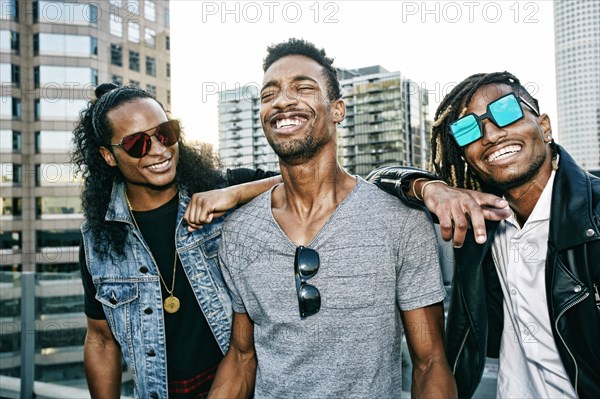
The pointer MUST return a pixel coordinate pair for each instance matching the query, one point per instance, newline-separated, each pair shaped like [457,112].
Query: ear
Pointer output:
[108,156]
[339,110]
[546,127]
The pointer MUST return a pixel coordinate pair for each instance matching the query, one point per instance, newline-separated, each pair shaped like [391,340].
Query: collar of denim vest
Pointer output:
[118,211]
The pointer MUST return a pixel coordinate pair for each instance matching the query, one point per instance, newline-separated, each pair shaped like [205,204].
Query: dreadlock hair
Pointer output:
[446,156]
[196,171]
[302,47]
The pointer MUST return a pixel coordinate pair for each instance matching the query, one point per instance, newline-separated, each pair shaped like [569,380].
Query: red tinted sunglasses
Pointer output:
[137,145]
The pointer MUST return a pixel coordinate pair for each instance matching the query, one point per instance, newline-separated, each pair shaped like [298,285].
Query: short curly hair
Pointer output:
[295,46]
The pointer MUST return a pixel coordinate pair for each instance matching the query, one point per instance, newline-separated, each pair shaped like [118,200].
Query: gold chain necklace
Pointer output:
[171,303]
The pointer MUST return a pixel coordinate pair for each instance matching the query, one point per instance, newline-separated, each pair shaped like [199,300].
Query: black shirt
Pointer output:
[192,351]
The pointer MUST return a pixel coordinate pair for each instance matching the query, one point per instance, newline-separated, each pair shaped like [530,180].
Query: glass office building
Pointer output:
[577,40]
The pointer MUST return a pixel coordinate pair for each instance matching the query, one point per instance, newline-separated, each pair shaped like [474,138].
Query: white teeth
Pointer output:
[159,165]
[286,122]
[504,152]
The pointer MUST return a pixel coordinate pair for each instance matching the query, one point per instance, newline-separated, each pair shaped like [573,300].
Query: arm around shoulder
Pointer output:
[237,372]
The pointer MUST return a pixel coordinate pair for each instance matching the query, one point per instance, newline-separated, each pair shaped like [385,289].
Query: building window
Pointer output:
[151,89]
[168,43]
[58,109]
[56,174]
[150,37]
[59,44]
[168,96]
[10,240]
[116,25]
[116,79]
[134,83]
[168,69]
[57,238]
[167,17]
[133,6]
[133,32]
[11,206]
[53,142]
[54,75]
[150,66]
[64,13]
[134,60]
[15,75]
[93,45]
[150,10]
[11,174]
[116,54]
[57,207]
[9,41]
[9,10]
[10,141]
[16,108]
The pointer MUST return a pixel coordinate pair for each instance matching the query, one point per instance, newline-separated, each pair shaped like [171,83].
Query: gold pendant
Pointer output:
[171,304]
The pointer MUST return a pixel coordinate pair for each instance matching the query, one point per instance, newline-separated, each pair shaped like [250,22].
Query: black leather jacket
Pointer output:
[475,315]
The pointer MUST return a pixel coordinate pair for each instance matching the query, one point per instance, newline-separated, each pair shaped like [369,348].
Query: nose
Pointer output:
[285,98]
[491,133]
[156,147]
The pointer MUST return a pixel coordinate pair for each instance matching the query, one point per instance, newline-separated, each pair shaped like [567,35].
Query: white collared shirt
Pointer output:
[530,366]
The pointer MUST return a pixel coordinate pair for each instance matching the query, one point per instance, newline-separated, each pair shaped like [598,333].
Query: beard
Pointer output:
[297,150]
[515,179]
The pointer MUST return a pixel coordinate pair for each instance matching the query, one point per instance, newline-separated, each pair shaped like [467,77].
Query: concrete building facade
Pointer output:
[52,55]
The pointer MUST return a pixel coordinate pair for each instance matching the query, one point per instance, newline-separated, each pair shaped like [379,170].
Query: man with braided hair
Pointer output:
[153,291]
[530,293]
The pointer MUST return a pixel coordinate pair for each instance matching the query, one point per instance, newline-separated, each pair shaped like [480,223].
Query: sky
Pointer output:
[217,45]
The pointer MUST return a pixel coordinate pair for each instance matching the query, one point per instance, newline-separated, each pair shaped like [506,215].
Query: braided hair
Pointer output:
[446,156]
[94,131]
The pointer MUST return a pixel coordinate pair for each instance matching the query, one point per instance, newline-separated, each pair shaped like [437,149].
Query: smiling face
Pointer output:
[297,118]
[511,156]
[158,167]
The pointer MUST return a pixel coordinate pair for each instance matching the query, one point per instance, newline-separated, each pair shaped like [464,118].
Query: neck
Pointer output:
[144,198]
[320,182]
[522,199]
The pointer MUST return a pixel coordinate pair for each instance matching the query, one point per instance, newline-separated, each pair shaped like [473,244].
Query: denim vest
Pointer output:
[129,290]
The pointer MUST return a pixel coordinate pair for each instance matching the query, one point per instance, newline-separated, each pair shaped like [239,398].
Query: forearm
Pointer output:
[235,377]
[102,364]
[433,379]
[246,192]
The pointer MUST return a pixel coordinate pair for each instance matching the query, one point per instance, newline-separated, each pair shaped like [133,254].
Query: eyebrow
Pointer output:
[298,78]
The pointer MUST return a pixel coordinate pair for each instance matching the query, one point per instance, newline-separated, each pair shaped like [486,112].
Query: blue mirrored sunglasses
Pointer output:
[501,112]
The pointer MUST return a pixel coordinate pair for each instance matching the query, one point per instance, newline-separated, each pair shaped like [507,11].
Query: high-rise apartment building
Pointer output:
[577,39]
[386,123]
[241,139]
[52,55]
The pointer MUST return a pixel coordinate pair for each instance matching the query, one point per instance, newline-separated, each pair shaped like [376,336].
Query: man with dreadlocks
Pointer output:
[153,291]
[530,294]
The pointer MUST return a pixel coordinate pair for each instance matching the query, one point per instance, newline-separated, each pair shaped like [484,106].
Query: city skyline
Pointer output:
[437,44]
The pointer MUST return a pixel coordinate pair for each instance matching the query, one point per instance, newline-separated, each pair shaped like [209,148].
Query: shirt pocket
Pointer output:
[117,299]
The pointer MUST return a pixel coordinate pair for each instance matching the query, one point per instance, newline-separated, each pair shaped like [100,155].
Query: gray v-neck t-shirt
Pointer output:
[377,257]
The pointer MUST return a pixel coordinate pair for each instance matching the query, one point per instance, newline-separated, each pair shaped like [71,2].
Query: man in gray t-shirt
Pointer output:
[325,269]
